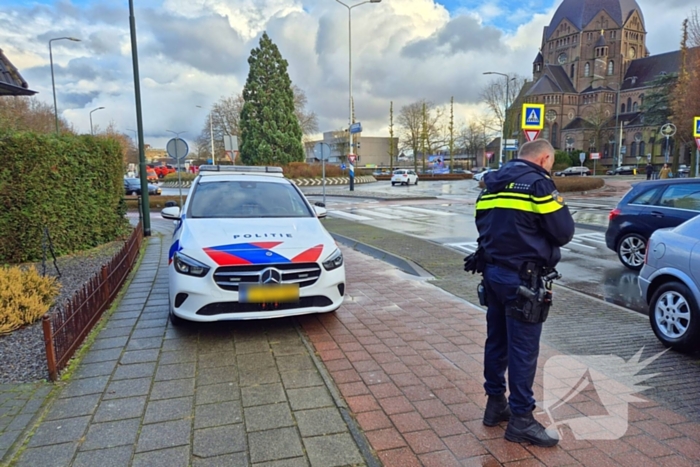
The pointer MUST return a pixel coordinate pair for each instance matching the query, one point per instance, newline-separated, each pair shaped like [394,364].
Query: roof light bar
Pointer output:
[240,168]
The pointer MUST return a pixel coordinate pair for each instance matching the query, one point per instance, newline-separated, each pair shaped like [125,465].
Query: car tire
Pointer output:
[675,317]
[416,182]
[393,184]
[631,249]
[174,319]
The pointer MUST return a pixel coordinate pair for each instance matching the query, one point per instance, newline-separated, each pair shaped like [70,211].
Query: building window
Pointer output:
[642,148]
[641,100]
[629,104]
[611,67]
[587,69]
[633,149]
[555,130]
[635,107]
[573,70]
[622,109]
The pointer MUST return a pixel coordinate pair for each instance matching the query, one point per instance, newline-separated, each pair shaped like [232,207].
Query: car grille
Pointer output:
[230,277]
[214,309]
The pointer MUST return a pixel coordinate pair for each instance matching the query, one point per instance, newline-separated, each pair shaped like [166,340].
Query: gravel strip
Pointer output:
[22,352]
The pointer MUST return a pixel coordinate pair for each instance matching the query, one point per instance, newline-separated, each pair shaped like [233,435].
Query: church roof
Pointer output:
[539,58]
[581,12]
[650,68]
[601,41]
[553,80]
[11,82]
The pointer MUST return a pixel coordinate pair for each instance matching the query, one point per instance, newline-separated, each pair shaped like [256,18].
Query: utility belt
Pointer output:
[534,293]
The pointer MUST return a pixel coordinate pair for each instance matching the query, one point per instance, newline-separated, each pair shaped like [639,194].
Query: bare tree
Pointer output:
[413,135]
[474,136]
[694,28]
[307,119]
[496,94]
[20,113]
[597,130]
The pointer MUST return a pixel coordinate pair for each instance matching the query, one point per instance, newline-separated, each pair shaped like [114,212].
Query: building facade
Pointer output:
[592,73]
[371,151]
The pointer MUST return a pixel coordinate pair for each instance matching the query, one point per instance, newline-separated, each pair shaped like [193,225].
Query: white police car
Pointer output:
[248,245]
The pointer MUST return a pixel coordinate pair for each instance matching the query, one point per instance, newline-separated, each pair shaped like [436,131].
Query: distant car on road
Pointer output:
[574,171]
[404,177]
[623,170]
[132,186]
[647,207]
[480,176]
[670,284]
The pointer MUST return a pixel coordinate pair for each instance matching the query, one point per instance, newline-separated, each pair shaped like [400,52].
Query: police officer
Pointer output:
[522,222]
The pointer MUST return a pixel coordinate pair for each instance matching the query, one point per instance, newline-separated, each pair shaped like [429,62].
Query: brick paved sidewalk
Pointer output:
[19,406]
[231,394]
[407,357]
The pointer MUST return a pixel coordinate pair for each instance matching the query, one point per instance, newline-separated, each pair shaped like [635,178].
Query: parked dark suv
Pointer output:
[623,170]
[649,206]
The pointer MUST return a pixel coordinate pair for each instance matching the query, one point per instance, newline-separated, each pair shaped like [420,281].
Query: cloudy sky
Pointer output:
[192,52]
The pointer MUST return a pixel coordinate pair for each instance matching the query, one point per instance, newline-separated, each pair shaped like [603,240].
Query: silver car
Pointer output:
[670,284]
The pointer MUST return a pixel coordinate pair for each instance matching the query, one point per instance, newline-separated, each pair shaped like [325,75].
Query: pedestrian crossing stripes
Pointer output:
[578,242]
[387,213]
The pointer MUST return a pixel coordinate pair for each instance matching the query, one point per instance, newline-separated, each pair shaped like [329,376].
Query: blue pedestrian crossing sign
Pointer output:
[533,117]
[696,127]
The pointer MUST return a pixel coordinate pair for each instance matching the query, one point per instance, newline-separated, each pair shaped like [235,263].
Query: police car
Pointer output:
[248,245]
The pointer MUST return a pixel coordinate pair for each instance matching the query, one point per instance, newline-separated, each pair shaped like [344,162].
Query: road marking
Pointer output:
[578,243]
[587,205]
[595,237]
[426,211]
[467,247]
[373,212]
[347,215]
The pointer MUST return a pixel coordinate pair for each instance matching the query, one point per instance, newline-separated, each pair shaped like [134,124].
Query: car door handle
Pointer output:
[657,213]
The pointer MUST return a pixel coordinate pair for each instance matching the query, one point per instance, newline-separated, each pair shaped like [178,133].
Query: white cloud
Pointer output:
[193,52]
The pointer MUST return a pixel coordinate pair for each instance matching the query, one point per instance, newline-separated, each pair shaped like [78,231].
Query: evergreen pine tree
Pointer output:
[269,129]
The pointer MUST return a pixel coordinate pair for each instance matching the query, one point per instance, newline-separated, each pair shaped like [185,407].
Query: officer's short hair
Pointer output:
[532,149]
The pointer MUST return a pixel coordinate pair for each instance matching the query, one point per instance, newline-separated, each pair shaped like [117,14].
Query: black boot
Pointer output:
[497,410]
[525,429]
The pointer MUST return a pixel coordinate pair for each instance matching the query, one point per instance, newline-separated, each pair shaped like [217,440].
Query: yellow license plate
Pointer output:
[269,293]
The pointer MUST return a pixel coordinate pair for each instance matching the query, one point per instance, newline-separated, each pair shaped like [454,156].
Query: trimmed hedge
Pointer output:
[70,184]
[572,184]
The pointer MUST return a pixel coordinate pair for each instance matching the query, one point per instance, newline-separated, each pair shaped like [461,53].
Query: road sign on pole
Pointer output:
[696,127]
[697,141]
[356,128]
[323,151]
[531,135]
[532,117]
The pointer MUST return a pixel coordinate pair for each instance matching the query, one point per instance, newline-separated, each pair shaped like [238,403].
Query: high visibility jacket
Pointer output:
[521,217]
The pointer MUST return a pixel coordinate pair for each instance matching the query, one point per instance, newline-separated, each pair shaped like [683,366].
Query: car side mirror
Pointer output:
[172,213]
[320,211]
[320,204]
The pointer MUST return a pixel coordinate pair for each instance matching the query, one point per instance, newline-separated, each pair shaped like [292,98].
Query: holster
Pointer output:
[481,292]
[534,295]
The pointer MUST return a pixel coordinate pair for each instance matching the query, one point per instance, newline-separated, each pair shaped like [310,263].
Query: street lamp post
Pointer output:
[93,110]
[53,83]
[617,119]
[350,164]
[505,113]
[211,132]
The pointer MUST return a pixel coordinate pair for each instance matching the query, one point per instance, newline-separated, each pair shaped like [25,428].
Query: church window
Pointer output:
[555,130]
[622,109]
[635,107]
[587,69]
[611,67]
[641,100]
[633,149]
[642,148]
[629,104]
[573,70]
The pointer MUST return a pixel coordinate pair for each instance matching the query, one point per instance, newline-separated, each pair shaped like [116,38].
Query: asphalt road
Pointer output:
[587,265]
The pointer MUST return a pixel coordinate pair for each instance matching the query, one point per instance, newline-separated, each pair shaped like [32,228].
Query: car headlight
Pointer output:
[189,266]
[334,261]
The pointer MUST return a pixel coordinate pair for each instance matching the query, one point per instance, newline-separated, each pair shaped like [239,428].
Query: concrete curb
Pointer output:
[403,264]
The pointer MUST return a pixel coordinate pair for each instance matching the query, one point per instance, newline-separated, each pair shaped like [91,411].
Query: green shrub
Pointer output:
[70,184]
[185,177]
[25,296]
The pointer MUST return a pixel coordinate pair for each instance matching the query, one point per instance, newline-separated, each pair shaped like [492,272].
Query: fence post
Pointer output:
[105,286]
[50,352]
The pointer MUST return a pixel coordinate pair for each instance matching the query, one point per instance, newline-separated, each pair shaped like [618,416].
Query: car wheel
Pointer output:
[675,317]
[416,182]
[631,249]
[393,184]
[174,319]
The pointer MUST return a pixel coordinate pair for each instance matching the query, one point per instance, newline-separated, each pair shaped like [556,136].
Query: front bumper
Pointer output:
[207,302]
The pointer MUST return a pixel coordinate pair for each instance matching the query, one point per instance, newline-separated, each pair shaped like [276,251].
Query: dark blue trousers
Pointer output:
[510,344]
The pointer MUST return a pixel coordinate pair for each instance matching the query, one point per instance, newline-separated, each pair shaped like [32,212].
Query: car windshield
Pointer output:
[241,198]
[133,181]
